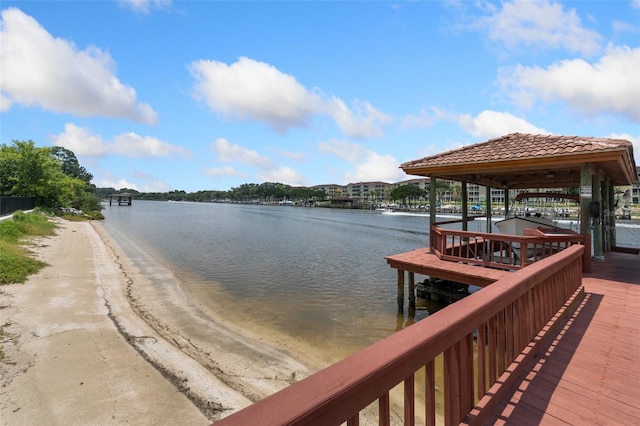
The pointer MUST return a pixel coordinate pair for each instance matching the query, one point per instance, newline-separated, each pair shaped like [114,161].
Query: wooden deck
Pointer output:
[424,262]
[589,373]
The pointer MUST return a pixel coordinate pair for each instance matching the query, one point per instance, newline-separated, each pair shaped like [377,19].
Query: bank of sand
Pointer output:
[92,339]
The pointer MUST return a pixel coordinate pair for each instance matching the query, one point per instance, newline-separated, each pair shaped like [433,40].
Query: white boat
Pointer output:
[515,224]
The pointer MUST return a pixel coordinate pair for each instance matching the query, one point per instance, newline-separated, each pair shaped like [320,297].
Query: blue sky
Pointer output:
[194,95]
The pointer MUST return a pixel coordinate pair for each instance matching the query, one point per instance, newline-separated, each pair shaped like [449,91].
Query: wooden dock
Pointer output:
[424,262]
[589,373]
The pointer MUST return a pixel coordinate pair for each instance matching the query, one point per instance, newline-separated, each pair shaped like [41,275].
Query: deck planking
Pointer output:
[588,373]
[424,262]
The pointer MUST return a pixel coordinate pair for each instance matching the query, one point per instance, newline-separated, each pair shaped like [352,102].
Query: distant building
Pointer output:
[331,190]
[380,191]
[421,183]
[368,191]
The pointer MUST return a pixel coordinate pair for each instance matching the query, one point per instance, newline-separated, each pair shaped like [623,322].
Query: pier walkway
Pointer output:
[579,369]
[588,374]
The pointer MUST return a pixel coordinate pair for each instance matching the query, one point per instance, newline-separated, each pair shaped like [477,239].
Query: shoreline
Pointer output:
[93,339]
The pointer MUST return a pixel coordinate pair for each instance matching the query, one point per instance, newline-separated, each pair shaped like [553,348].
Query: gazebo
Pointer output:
[524,161]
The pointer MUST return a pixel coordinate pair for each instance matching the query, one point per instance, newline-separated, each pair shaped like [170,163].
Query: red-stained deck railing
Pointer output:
[504,251]
[484,339]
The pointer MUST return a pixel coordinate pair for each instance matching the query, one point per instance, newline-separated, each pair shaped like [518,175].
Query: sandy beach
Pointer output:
[91,339]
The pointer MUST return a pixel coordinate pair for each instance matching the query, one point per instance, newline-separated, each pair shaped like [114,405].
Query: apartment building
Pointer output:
[380,191]
[332,191]
[372,191]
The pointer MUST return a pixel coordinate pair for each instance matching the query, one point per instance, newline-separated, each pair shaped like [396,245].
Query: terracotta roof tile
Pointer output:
[520,146]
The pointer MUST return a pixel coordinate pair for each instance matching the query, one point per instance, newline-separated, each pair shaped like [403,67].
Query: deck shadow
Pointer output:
[529,399]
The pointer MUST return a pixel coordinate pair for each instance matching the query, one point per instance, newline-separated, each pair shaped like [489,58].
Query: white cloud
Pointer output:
[155,186]
[621,26]
[541,23]
[5,102]
[635,4]
[223,171]
[40,70]
[491,124]
[145,6]
[267,171]
[366,165]
[253,90]
[82,142]
[347,151]
[109,181]
[425,118]
[611,85]
[146,182]
[376,167]
[297,157]
[364,123]
[133,145]
[285,175]
[229,153]
[150,183]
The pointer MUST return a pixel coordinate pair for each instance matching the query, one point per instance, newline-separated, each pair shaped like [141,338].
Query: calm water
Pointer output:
[318,275]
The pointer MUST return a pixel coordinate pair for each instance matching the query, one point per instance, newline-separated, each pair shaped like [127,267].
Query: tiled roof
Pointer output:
[530,161]
[517,146]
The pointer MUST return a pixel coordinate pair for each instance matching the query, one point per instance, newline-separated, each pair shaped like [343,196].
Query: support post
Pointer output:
[432,206]
[506,202]
[612,216]
[465,206]
[400,296]
[606,212]
[585,199]
[597,228]
[433,195]
[488,195]
[412,291]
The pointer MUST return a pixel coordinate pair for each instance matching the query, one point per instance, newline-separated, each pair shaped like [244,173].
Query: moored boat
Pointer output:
[515,222]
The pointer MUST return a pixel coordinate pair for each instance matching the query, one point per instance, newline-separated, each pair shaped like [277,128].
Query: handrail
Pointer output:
[449,222]
[504,318]
[504,251]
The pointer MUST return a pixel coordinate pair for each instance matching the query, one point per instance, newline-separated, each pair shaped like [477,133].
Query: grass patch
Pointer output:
[16,263]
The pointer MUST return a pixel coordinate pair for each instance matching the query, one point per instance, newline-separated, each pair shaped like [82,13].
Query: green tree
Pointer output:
[34,172]
[26,170]
[405,192]
[70,164]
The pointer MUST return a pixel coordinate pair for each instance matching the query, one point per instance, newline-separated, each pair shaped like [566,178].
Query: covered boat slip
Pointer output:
[544,344]
[592,167]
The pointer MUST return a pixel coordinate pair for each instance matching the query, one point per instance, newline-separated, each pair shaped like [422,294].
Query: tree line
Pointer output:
[247,192]
[51,175]
[55,178]
[264,192]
